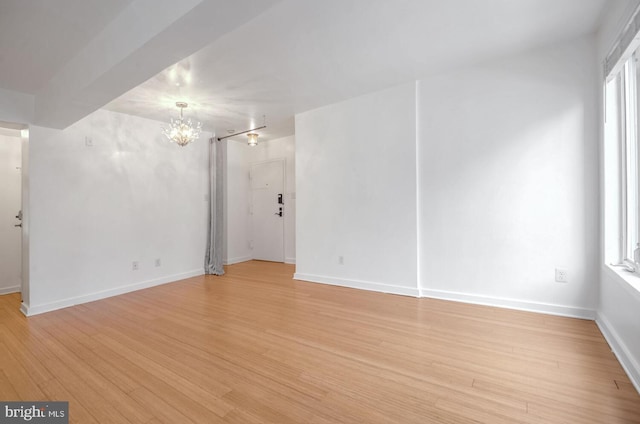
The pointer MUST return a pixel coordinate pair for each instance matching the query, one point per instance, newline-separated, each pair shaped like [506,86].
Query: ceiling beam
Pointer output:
[147,37]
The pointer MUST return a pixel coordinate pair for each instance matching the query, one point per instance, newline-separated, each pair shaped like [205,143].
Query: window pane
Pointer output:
[631,158]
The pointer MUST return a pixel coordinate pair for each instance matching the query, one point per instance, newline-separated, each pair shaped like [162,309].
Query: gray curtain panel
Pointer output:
[213,255]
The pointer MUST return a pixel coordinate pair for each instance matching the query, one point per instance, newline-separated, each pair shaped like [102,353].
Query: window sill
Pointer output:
[630,280]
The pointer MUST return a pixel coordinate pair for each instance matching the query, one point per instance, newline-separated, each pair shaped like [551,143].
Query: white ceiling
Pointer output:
[37,37]
[271,57]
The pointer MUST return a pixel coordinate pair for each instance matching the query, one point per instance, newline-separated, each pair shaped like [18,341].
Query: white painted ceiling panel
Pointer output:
[38,37]
[300,55]
[258,57]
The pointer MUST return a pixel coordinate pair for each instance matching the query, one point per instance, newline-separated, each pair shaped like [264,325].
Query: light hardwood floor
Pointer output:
[255,346]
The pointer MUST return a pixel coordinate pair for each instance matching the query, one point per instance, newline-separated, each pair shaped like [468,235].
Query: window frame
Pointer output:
[628,163]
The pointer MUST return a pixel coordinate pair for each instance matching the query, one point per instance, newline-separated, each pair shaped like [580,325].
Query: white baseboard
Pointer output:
[237,260]
[619,348]
[291,261]
[7,290]
[30,310]
[357,284]
[544,308]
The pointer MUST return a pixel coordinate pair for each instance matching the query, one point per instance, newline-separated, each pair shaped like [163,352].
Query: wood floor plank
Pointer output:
[26,352]
[7,392]
[73,356]
[579,400]
[162,411]
[56,391]
[196,401]
[256,346]
[72,375]
[18,375]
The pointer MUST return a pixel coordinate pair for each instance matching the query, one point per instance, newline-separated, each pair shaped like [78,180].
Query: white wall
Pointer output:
[356,192]
[509,181]
[10,204]
[619,320]
[240,156]
[131,196]
[507,178]
[619,302]
[237,228]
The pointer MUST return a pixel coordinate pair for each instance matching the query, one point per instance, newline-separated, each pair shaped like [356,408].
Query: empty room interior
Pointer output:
[347,211]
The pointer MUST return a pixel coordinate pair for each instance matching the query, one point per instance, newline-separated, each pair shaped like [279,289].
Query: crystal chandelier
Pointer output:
[182,132]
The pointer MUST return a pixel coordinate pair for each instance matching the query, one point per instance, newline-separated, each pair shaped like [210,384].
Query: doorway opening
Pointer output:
[259,180]
[267,210]
[12,140]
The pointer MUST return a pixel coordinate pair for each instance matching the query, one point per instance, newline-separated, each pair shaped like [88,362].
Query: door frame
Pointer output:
[25,292]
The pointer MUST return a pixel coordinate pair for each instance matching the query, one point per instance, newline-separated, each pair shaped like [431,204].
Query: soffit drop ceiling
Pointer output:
[38,37]
[235,61]
[300,55]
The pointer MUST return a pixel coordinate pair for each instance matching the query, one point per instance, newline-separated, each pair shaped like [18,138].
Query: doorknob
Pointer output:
[18,225]
[279,213]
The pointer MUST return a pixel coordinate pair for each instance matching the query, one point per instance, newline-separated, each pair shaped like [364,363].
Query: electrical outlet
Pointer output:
[158,263]
[341,260]
[562,275]
[135,265]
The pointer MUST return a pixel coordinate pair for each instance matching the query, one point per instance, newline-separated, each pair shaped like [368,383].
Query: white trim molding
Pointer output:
[237,260]
[619,348]
[29,310]
[9,290]
[629,281]
[291,261]
[357,284]
[543,308]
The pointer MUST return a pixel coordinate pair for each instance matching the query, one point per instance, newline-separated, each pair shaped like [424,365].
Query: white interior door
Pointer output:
[267,185]
[10,203]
